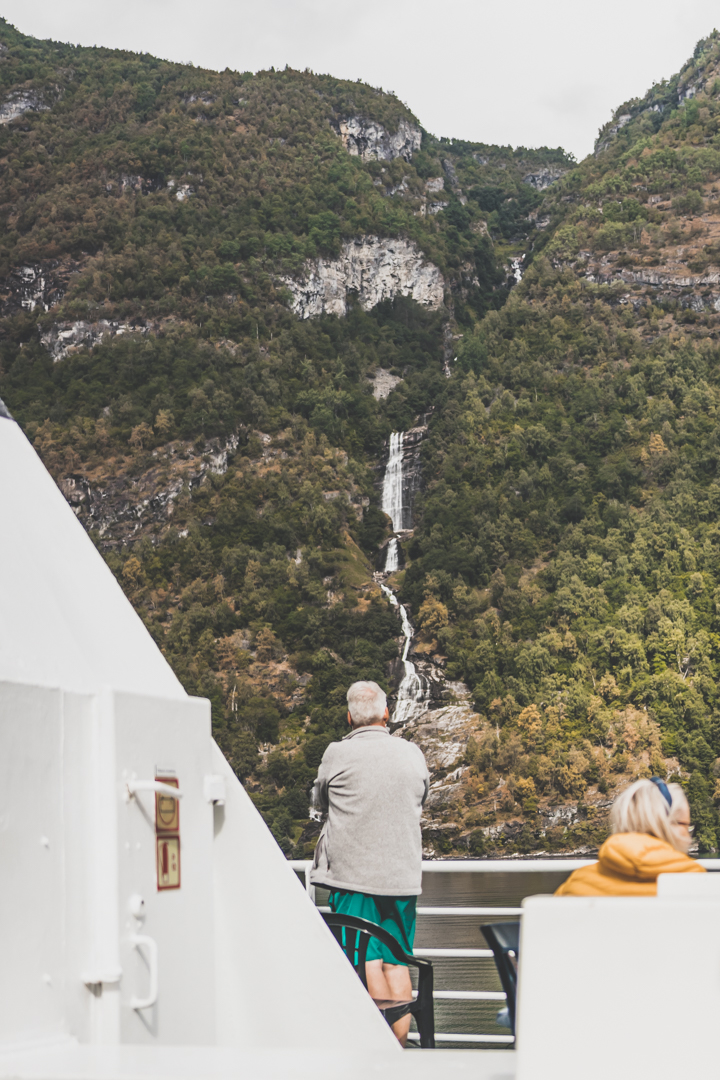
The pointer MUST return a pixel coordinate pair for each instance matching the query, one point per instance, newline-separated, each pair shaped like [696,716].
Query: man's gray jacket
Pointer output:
[373,787]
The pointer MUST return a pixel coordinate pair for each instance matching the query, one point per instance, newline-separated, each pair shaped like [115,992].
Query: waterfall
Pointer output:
[392,497]
[391,556]
[412,694]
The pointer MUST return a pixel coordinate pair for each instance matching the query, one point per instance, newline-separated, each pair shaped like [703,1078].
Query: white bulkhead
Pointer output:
[230,951]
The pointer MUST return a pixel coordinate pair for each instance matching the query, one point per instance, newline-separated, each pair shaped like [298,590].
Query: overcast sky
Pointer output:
[521,72]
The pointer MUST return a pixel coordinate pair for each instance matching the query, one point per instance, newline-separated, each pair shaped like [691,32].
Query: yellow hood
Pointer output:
[628,865]
[640,857]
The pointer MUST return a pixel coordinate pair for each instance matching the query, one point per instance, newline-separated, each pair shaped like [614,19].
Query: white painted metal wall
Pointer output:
[89,707]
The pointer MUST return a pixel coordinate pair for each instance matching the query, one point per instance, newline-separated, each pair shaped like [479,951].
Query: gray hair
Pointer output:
[642,808]
[367,703]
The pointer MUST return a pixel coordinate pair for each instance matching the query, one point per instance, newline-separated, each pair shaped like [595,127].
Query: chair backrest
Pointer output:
[504,940]
[354,943]
[353,936]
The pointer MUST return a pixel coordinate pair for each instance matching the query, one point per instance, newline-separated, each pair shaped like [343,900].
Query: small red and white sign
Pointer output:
[168,862]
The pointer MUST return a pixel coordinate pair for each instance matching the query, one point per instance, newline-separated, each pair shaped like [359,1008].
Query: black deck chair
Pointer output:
[504,940]
[353,936]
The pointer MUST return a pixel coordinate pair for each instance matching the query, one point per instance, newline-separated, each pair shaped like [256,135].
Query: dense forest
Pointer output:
[564,559]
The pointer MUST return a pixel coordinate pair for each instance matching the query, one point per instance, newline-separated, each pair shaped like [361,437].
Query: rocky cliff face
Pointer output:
[64,338]
[543,178]
[375,269]
[35,286]
[122,507]
[20,102]
[372,142]
[383,383]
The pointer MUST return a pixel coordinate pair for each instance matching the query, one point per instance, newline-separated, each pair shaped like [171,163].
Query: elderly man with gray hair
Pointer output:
[370,849]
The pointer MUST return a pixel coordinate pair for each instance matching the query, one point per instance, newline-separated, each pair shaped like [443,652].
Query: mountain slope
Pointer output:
[166,230]
[204,278]
[567,556]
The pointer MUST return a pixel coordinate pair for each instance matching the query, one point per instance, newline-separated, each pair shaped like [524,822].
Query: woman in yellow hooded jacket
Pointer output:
[651,835]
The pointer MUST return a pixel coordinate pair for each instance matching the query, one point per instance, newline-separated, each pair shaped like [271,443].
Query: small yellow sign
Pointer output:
[168,862]
[167,809]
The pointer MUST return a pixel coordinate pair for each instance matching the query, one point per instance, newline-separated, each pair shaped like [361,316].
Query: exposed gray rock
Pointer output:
[435,184]
[182,191]
[62,339]
[204,95]
[451,174]
[21,101]
[442,735]
[132,183]
[443,795]
[35,285]
[375,269]
[372,142]
[398,189]
[31,286]
[607,136]
[543,178]
[127,508]
[383,383]
[653,277]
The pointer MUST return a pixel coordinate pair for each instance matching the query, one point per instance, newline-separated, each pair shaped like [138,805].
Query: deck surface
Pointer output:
[74,1062]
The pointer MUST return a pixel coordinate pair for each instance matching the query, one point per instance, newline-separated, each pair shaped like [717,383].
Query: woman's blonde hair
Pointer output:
[643,808]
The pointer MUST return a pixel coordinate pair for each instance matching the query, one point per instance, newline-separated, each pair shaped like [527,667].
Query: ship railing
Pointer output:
[475,866]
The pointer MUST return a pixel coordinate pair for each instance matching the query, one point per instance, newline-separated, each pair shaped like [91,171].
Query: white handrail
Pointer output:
[468,995]
[154,785]
[511,865]
[477,911]
[459,954]
[446,1036]
[481,911]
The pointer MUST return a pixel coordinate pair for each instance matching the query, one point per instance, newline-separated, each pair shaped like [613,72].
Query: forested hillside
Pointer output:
[205,276]
[568,558]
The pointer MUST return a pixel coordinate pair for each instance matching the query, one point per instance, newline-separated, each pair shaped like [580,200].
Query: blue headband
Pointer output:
[663,789]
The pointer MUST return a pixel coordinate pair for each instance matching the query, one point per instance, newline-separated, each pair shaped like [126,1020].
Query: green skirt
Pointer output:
[396,914]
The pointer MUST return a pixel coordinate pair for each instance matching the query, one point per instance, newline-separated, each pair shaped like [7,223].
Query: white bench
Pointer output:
[615,988]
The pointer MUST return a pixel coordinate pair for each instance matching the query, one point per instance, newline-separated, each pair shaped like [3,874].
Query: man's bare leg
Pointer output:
[397,977]
[377,984]
[390,982]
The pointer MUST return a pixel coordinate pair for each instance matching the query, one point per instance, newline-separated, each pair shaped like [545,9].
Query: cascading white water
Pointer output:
[412,695]
[392,489]
[392,497]
[391,556]
[516,267]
